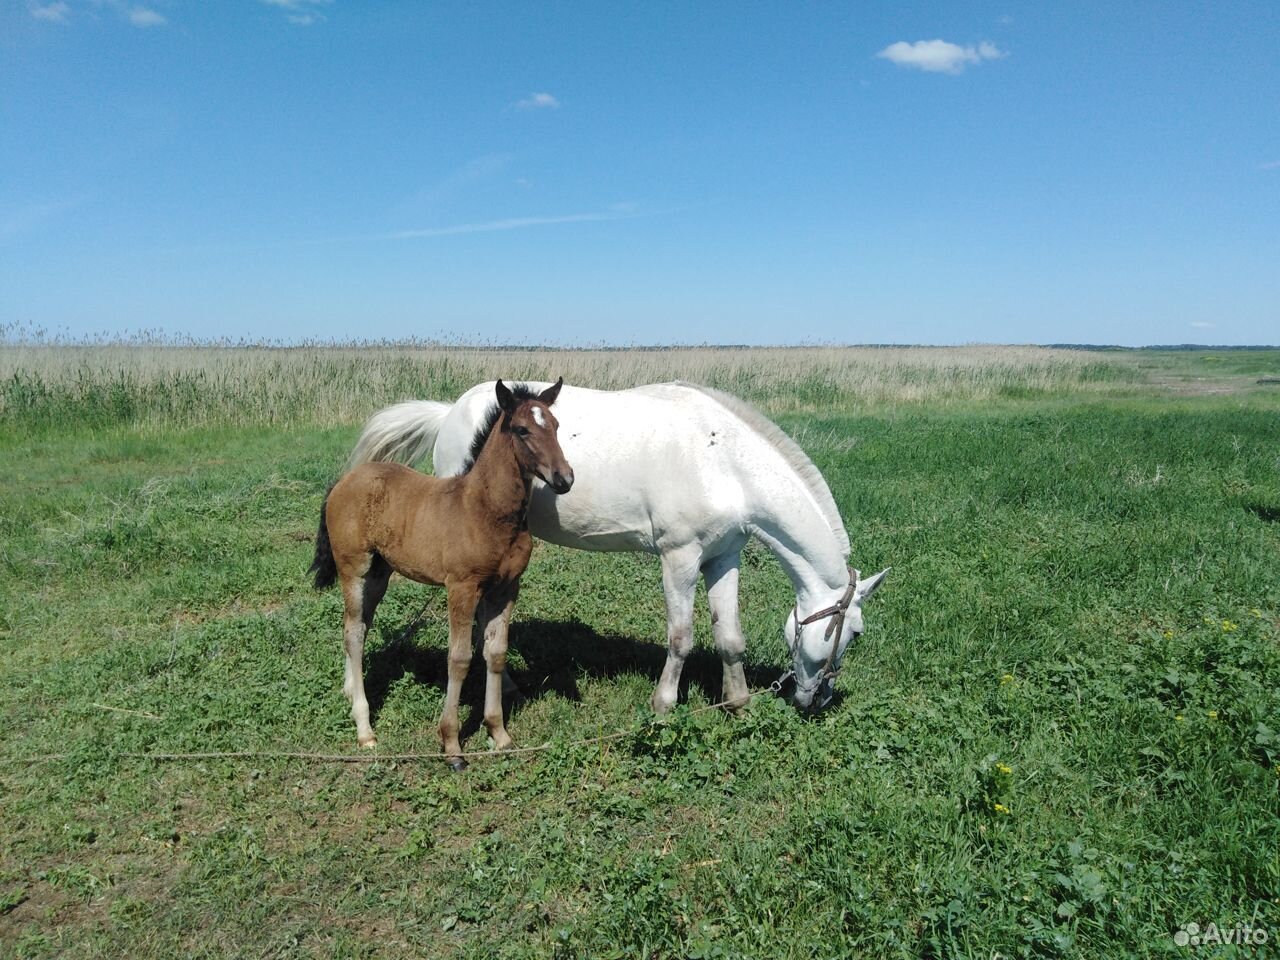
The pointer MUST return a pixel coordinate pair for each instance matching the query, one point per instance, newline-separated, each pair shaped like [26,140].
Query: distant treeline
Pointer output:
[1158,346]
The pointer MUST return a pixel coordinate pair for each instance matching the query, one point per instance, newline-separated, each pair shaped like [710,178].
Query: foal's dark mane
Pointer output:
[522,392]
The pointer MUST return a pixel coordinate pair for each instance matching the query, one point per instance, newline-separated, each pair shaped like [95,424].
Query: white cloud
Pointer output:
[514,223]
[135,14]
[939,56]
[539,101]
[145,17]
[52,12]
[302,12]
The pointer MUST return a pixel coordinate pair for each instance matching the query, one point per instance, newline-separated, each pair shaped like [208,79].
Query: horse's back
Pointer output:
[377,482]
[652,464]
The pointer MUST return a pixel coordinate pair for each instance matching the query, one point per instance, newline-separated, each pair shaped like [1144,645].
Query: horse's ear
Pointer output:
[548,396]
[506,399]
[869,586]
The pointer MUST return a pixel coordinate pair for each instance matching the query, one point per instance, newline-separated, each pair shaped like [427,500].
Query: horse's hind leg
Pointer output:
[495,620]
[721,574]
[361,595]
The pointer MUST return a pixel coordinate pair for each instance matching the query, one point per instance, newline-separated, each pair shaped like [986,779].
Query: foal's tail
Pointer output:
[323,566]
[401,433]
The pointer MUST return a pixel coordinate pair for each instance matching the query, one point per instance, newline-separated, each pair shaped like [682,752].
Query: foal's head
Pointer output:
[533,427]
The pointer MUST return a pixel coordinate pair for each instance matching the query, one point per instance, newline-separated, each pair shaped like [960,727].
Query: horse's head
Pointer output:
[533,427]
[819,638]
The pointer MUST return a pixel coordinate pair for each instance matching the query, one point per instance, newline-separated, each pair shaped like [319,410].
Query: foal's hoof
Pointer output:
[457,764]
[370,743]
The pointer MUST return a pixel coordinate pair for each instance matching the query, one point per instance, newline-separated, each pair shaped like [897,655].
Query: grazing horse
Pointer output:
[469,533]
[688,473]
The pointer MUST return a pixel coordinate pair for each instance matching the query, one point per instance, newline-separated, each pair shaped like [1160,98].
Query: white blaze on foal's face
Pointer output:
[538,418]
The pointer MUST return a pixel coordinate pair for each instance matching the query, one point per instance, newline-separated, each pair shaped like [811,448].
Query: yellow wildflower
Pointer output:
[1000,808]
[1168,634]
[1256,612]
[1178,717]
[1007,678]
[1229,627]
[1212,714]
[1004,768]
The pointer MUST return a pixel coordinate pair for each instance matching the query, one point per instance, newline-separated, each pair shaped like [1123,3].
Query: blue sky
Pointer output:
[581,173]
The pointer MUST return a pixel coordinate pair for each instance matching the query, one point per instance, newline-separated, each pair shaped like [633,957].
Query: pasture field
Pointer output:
[1059,736]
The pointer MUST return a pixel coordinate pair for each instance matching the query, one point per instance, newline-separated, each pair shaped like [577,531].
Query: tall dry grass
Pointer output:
[66,384]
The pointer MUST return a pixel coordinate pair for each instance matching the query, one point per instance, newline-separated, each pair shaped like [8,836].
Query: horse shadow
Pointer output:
[1267,513]
[556,654]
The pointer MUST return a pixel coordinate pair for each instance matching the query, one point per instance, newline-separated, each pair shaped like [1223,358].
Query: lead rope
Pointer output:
[372,757]
[836,611]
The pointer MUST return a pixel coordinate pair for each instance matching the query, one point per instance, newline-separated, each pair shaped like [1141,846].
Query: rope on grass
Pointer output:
[369,757]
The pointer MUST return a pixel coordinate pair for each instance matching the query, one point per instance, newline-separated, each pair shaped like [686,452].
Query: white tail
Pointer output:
[401,433]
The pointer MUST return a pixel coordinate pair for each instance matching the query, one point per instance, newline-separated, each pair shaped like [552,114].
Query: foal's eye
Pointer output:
[520,431]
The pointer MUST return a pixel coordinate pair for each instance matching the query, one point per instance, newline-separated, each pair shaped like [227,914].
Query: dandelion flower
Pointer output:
[1000,808]
[1007,678]
[1004,768]
[1212,714]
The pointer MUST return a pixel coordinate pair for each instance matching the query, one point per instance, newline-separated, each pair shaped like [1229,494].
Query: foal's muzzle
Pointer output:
[561,482]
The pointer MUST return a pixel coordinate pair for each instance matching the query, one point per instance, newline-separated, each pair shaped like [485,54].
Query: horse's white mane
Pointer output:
[791,453]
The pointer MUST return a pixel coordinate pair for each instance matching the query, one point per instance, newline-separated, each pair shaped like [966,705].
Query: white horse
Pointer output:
[688,473]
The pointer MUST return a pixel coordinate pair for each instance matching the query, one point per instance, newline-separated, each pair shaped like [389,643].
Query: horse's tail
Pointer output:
[402,433]
[323,565]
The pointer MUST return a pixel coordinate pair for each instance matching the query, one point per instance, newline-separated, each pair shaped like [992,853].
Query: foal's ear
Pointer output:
[548,396]
[506,399]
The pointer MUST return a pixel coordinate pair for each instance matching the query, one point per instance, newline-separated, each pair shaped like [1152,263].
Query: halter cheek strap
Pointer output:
[836,612]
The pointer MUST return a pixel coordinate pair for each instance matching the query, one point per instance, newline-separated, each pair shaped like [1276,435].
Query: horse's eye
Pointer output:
[521,431]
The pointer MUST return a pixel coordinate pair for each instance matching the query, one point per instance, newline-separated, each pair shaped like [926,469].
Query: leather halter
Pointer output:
[836,612]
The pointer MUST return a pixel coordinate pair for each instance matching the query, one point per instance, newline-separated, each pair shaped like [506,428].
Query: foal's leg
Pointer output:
[462,610]
[721,574]
[495,620]
[679,580]
[361,595]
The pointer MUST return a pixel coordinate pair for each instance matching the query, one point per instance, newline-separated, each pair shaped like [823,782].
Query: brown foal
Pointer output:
[468,533]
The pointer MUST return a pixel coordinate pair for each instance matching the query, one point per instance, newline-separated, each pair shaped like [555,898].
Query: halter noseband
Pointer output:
[836,612]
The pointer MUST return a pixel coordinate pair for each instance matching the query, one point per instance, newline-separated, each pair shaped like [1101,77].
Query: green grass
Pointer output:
[1060,735]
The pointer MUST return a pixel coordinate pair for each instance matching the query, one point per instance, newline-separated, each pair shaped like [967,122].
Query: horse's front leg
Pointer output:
[495,617]
[462,610]
[679,580]
[721,575]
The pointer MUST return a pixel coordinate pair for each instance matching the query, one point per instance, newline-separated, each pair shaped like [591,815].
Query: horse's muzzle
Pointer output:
[561,482]
[818,701]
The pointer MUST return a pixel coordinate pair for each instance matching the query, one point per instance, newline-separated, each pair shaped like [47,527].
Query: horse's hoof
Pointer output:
[370,743]
[457,764]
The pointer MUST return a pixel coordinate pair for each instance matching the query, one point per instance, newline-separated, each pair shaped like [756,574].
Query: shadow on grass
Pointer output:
[556,654]
[1264,512]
